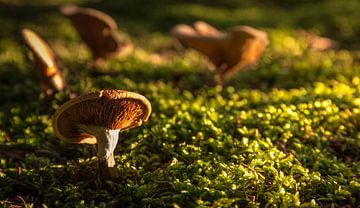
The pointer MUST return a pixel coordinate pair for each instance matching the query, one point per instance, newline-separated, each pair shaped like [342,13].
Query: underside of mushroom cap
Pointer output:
[244,31]
[112,109]
[245,46]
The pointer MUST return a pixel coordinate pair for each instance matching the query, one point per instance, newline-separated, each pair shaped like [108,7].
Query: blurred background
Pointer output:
[339,20]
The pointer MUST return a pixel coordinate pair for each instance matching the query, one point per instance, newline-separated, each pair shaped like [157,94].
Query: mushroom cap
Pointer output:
[205,29]
[111,109]
[89,15]
[97,30]
[250,32]
[198,29]
[183,30]
[44,59]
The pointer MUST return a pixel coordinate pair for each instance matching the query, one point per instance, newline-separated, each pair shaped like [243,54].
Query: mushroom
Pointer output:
[98,118]
[318,42]
[51,79]
[230,52]
[98,31]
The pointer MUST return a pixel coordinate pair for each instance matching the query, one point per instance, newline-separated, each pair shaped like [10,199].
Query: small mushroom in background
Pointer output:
[98,31]
[98,118]
[230,52]
[318,42]
[51,79]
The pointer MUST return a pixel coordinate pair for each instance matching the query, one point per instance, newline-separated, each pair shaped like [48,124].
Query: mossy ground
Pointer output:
[284,135]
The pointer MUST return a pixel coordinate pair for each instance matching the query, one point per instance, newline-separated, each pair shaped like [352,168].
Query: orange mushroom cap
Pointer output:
[44,60]
[112,109]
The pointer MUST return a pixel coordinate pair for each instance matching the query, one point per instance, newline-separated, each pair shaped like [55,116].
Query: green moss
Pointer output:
[283,135]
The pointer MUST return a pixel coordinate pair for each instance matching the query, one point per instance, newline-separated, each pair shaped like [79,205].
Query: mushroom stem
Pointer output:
[107,140]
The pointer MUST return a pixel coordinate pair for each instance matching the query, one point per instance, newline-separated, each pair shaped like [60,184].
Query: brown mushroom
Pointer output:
[98,31]
[230,52]
[317,42]
[97,118]
[51,79]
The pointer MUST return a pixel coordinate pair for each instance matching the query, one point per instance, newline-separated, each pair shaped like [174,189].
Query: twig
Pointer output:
[11,155]
[253,170]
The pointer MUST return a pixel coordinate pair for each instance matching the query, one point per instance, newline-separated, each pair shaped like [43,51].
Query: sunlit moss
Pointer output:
[285,134]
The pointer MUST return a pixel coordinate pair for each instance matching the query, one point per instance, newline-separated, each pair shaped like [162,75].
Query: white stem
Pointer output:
[107,140]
